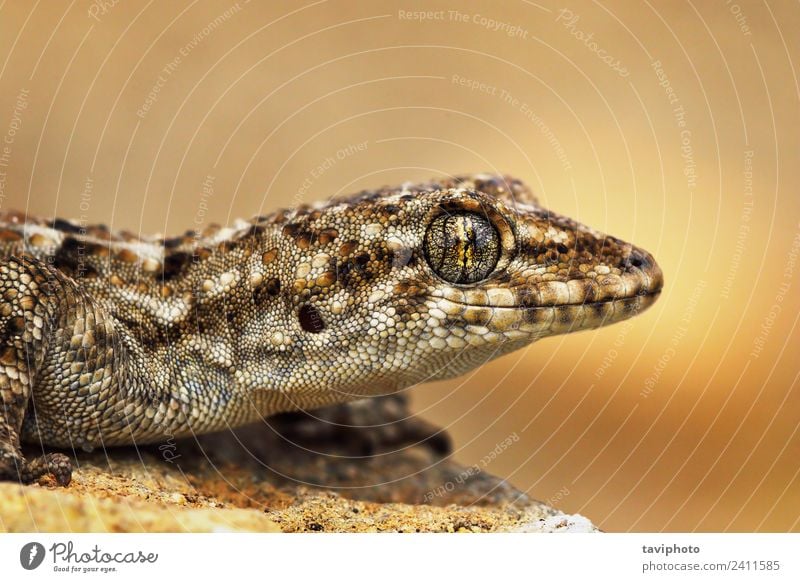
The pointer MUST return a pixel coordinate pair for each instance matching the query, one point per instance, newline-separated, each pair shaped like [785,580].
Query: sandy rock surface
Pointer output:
[255,480]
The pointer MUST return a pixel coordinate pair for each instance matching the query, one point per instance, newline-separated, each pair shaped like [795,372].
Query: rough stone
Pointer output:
[255,480]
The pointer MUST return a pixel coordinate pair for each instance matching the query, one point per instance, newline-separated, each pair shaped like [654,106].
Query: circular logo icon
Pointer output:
[31,555]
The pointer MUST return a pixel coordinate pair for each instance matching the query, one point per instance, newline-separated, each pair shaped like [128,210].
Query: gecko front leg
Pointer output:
[364,427]
[29,291]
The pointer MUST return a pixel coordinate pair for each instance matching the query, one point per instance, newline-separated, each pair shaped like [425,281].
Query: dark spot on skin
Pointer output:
[315,527]
[326,279]
[526,297]
[227,246]
[16,325]
[310,319]
[64,226]
[290,229]
[347,248]
[564,315]
[280,217]
[71,258]
[362,259]
[355,267]
[410,288]
[96,250]
[266,291]
[346,271]
[502,277]
[155,397]
[530,249]
[175,264]
[172,243]
[328,235]
[480,316]
[71,246]
[260,295]
[562,249]
[9,356]
[200,254]
[273,286]
[531,316]
[127,256]
[303,240]
[269,256]
[404,311]
[452,321]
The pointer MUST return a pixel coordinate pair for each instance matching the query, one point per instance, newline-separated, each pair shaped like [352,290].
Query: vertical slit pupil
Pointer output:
[462,248]
[310,319]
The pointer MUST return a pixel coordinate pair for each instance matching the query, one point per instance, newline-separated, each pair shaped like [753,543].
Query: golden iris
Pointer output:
[462,248]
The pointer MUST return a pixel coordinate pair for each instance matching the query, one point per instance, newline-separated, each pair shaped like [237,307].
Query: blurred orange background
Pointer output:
[670,126]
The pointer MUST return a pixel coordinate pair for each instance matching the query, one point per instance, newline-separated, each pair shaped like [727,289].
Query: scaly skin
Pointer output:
[111,339]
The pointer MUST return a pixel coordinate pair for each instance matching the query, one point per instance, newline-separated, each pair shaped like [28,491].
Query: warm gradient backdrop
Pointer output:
[671,125]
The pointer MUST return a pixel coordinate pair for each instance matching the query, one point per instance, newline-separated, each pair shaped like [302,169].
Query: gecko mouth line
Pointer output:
[647,294]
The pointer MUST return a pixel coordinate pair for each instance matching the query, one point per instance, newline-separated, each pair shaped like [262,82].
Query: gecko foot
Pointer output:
[56,464]
[14,467]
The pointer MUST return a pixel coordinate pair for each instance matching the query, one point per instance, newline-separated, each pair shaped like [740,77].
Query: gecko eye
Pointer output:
[462,248]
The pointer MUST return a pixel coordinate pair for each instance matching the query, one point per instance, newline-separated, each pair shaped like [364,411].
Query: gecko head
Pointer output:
[430,281]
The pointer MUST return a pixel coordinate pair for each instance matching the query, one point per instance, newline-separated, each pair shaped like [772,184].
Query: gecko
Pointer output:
[113,338]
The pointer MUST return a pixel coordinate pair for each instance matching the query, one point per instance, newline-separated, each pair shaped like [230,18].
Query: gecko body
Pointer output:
[111,338]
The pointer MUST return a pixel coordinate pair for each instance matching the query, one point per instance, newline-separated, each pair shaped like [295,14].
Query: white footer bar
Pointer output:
[402,557]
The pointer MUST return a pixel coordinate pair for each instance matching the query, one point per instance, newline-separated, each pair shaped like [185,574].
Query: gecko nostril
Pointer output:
[310,319]
[639,260]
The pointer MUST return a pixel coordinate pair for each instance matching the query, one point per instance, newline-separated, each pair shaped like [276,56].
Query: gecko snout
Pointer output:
[642,265]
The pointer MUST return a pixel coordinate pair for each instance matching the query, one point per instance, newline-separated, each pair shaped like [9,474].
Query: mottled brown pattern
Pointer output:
[111,339]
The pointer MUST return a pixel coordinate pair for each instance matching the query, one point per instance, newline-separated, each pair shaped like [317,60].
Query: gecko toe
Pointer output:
[56,464]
